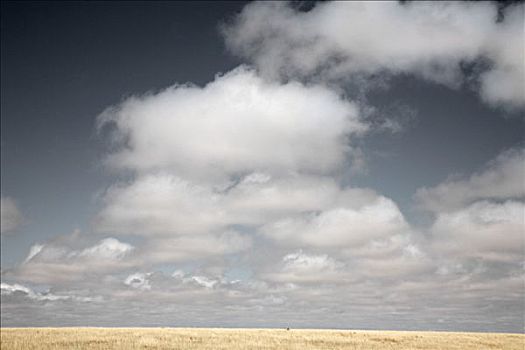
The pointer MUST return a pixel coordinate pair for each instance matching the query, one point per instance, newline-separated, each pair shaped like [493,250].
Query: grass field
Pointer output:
[195,338]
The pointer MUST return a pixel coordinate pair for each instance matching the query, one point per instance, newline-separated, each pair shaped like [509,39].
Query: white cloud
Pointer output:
[237,124]
[190,222]
[34,250]
[179,274]
[340,226]
[300,267]
[337,40]
[161,204]
[502,178]
[11,218]
[170,206]
[239,154]
[303,262]
[193,248]
[109,248]
[138,280]
[241,151]
[106,249]
[477,234]
[7,289]
[57,261]
[484,230]
[204,281]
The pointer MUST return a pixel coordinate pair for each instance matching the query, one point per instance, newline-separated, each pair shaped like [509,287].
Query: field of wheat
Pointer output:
[232,339]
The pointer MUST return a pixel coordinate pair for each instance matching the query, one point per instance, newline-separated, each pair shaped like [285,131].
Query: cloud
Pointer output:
[484,230]
[236,124]
[34,250]
[502,178]
[477,233]
[193,248]
[340,226]
[108,248]
[58,261]
[219,171]
[299,267]
[138,280]
[342,40]
[299,261]
[105,249]
[184,222]
[233,155]
[11,218]
[166,205]
[476,240]
[15,289]
[160,205]
[204,281]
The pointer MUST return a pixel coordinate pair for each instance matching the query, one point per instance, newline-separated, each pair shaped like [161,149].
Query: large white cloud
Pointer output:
[217,167]
[484,230]
[11,217]
[340,226]
[160,204]
[194,248]
[165,205]
[502,178]
[337,40]
[237,124]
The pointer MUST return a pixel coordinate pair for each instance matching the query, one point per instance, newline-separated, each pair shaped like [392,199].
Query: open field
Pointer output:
[195,338]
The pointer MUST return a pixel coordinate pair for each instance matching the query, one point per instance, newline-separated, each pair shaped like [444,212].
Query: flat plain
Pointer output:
[233,339]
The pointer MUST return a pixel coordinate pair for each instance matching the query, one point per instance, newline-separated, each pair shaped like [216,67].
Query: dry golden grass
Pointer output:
[270,339]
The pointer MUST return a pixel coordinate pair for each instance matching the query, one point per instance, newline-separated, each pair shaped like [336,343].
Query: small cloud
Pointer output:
[11,218]
[309,263]
[109,248]
[178,274]
[501,179]
[33,251]
[204,281]
[138,280]
[18,289]
[57,261]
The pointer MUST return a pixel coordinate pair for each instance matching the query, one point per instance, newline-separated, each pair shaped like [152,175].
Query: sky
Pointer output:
[268,164]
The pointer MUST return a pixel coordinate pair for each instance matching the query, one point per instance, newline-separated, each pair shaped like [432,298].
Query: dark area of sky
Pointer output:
[62,63]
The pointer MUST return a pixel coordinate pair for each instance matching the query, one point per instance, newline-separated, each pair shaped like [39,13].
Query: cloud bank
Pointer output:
[236,124]
[431,40]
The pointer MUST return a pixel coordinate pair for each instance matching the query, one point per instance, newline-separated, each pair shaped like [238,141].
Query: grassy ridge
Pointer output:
[232,339]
